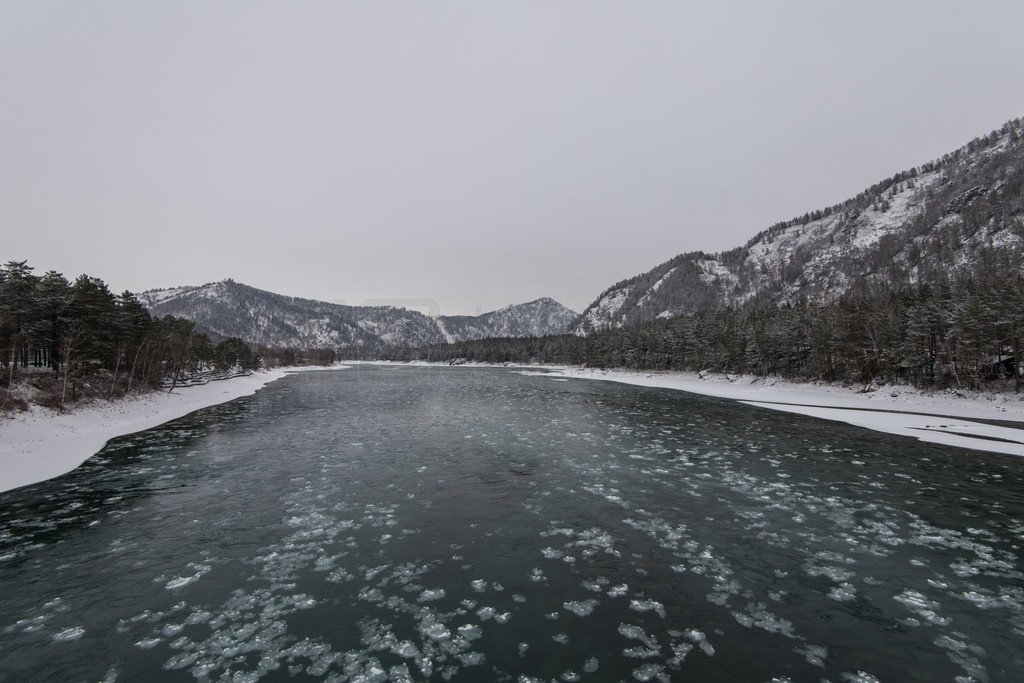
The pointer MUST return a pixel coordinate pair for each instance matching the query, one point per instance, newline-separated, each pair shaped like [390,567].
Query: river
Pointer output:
[396,523]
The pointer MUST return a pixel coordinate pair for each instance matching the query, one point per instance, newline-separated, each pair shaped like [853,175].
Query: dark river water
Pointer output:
[397,523]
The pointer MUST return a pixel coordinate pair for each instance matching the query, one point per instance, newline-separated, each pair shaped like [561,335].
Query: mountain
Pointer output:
[961,214]
[534,319]
[231,309]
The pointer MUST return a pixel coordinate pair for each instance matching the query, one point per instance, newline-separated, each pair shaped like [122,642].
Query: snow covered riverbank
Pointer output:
[43,443]
[942,418]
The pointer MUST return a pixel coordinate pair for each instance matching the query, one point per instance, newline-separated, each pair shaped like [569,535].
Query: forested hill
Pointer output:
[961,214]
[62,340]
[232,309]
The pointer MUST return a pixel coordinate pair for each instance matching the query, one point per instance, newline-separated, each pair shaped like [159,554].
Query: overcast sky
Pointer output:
[475,153]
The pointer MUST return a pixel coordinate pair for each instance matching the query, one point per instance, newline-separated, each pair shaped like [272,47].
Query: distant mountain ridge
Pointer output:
[231,309]
[959,214]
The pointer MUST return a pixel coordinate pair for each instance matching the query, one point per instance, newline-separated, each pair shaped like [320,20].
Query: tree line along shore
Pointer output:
[63,341]
[961,334]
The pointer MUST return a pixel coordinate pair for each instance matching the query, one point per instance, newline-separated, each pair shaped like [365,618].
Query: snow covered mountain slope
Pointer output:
[231,309]
[960,213]
[533,319]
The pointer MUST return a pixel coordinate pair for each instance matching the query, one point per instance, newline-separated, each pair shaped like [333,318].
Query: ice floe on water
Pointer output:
[922,606]
[71,633]
[648,606]
[581,608]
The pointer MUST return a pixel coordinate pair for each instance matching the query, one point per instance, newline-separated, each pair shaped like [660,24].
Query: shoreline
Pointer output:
[42,444]
[944,419]
[941,418]
[983,405]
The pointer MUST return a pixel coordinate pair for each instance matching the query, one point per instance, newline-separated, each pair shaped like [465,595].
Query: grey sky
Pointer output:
[475,153]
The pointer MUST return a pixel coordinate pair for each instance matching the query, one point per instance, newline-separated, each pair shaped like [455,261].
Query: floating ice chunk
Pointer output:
[171,630]
[373,572]
[570,676]
[744,619]
[472,658]
[635,632]
[324,563]
[618,591]
[479,585]
[436,631]
[181,661]
[470,631]
[181,581]
[536,575]
[400,674]
[982,601]
[562,638]
[429,595]
[148,643]
[922,606]
[759,616]
[405,649]
[843,592]
[960,651]
[485,613]
[641,652]
[964,569]
[72,633]
[859,677]
[650,672]
[648,606]
[679,651]
[516,597]
[699,639]
[837,574]
[814,654]
[590,666]
[339,575]
[581,608]
[522,648]
[503,617]
[717,598]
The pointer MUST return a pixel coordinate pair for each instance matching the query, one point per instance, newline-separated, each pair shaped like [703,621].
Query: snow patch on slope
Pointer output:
[604,311]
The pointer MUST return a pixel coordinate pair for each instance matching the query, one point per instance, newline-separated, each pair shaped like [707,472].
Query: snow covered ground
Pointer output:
[43,443]
[938,418]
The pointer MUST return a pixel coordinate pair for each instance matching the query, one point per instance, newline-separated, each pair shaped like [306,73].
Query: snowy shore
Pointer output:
[943,418]
[43,443]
